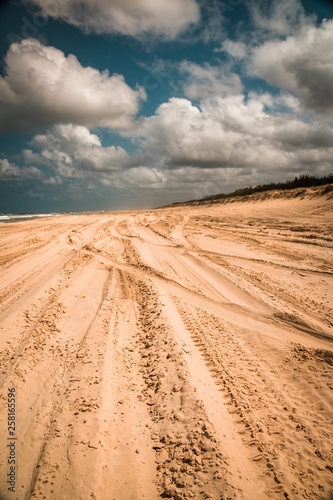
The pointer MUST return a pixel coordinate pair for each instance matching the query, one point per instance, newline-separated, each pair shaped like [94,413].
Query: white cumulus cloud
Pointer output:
[233,132]
[278,18]
[302,64]
[43,86]
[72,151]
[203,80]
[235,49]
[129,17]
[11,171]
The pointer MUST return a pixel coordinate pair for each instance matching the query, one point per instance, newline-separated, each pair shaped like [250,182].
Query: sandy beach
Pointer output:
[184,352]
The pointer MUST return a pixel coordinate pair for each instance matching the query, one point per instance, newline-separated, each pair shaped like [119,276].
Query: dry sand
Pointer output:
[178,353]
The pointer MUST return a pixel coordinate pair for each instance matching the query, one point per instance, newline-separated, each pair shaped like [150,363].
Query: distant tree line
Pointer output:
[302,181]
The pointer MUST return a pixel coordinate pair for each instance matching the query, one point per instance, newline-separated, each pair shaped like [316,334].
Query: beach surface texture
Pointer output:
[184,352]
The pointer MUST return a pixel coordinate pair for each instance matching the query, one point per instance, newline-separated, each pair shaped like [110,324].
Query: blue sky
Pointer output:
[125,104]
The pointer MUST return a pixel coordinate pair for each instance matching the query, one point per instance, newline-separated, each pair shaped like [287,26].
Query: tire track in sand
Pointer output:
[44,317]
[41,375]
[267,418]
[99,446]
[190,460]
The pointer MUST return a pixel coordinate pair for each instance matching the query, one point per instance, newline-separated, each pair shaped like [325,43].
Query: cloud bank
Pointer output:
[235,132]
[223,126]
[184,148]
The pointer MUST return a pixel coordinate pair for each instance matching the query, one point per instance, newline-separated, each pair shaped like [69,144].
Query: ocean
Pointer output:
[22,217]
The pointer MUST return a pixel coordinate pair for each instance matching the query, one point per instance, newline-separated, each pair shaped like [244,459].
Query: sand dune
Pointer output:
[185,352]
